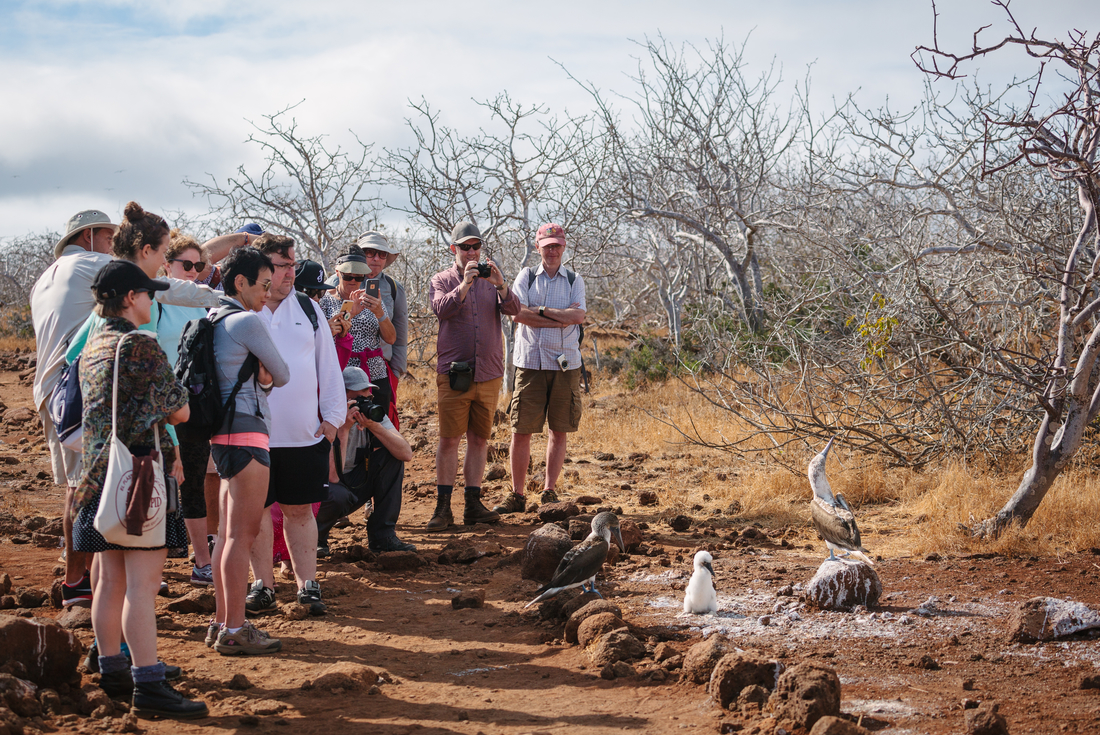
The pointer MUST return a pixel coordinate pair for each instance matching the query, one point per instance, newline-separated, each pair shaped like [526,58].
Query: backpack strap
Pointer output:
[307,306]
[569,276]
[393,286]
[249,369]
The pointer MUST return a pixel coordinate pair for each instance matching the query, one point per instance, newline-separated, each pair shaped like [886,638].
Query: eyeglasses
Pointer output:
[291,264]
[197,266]
[552,246]
[467,246]
[352,277]
[266,285]
[374,254]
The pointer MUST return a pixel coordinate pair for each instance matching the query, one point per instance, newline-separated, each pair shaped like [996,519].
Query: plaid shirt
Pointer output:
[538,348]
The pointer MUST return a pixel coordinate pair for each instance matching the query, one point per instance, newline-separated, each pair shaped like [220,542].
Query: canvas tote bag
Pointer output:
[133,507]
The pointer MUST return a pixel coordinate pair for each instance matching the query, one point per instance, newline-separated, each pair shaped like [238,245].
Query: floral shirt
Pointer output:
[364,335]
[148,392]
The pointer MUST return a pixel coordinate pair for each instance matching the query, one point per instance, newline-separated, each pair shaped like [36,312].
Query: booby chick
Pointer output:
[830,513]
[700,597]
[582,563]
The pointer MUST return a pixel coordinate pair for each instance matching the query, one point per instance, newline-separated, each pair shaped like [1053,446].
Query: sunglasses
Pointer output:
[352,277]
[374,254]
[188,266]
[467,246]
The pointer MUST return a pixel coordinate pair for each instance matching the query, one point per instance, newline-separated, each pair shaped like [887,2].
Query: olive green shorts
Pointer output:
[546,396]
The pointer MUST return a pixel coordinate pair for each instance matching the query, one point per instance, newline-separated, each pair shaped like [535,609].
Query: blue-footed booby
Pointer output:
[700,597]
[580,564]
[830,513]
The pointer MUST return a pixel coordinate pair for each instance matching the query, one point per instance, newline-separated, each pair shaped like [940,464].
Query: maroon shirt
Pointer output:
[469,329]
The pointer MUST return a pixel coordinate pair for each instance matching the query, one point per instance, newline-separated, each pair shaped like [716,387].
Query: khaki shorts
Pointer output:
[469,411]
[66,463]
[546,394]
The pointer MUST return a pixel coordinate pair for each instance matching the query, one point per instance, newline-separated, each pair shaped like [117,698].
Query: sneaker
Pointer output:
[202,576]
[212,631]
[442,518]
[323,551]
[248,641]
[514,503]
[117,683]
[91,663]
[392,543]
[368,509]
[163,591]
[548,496]
[259,600]
[344,522]
[311,595]
[211,540]
[159,699]
[79,593]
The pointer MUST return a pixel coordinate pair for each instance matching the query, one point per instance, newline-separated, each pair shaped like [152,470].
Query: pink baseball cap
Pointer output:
[551,232]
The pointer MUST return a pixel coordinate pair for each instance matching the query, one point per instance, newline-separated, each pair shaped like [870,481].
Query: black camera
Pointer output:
[373,411]
[483,270]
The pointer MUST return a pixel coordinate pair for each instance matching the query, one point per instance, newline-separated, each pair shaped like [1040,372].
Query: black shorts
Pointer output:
[194,456]
[299,475]
[230,459]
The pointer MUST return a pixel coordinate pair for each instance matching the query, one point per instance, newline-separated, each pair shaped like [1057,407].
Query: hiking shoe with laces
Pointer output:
[475,512]
[514,503]
[442,518]
[390,543]
[260,600]
[248,641]
[311,595]
[344,522]
[159,699]
[202,576]
[548,496]
[79,593]
[212,631]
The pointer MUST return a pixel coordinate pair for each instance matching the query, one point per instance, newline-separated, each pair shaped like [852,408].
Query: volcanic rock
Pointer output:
[736,671]
[842,585]
[703,657]
[618,645]
[48,652]
[1046,618]
[805,693]
[543,551]
[586,611]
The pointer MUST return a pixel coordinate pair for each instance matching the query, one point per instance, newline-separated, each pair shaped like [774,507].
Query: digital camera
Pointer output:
[373,411]
[483,270]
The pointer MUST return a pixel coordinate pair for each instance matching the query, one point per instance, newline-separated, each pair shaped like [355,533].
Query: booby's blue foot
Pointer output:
[597,592]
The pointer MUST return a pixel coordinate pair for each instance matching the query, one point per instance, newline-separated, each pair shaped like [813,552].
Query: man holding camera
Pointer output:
[468,299]
[369,463]
[548,360]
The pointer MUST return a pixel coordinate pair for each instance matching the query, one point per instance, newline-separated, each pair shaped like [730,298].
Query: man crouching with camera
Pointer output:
[369,457]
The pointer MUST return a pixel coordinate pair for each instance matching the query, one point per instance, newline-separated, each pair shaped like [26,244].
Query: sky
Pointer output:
[115,100]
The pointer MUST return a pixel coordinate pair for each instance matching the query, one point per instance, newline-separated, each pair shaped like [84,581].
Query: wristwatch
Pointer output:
[542,311]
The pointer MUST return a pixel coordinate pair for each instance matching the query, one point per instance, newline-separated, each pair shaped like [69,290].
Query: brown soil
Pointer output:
[502,669]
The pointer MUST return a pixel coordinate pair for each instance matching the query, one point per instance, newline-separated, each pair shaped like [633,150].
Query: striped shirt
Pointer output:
[538,348]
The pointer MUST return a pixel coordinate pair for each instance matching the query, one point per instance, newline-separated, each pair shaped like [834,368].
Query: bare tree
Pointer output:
[1062,141]
[320,197]
[22,261]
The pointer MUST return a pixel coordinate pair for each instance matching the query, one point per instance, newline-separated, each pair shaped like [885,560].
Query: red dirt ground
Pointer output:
[500,669]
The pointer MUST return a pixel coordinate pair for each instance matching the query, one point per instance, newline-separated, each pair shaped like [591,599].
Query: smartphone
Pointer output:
[345,309]
[371,288]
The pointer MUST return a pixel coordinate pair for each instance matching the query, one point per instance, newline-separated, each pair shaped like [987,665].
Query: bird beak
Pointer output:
[618,539]
[829,446]
[709,568]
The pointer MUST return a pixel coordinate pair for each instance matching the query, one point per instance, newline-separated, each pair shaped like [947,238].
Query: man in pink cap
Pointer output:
[548,362]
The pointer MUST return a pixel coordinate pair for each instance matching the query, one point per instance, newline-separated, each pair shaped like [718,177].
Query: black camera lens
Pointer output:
[483,270]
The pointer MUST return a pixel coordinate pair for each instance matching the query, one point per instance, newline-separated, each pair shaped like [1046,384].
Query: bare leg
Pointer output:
[219,548]
[261,552]
[477,453]
[300,531]
[242,508]
[555,457]
[108,601]
[139,612]
[76,562]
[212,488]
[446,460]
[520,456]
[196,529]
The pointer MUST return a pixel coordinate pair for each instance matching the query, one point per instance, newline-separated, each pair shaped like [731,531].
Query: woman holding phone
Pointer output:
[359,302]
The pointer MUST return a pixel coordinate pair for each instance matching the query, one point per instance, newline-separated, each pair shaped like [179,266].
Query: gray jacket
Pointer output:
[235,337]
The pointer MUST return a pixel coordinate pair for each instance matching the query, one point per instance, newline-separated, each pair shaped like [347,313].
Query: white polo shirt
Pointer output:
[316,387]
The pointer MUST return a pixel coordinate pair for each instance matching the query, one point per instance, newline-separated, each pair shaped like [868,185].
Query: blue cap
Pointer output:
[252,229]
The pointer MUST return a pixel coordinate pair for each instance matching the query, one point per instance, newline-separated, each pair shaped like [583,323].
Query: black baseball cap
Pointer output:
[120,277]
[310,274]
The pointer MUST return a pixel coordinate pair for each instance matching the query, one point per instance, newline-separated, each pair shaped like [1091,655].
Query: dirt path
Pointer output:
[500,669]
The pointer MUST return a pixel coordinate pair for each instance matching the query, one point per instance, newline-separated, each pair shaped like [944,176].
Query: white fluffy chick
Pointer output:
[700,597]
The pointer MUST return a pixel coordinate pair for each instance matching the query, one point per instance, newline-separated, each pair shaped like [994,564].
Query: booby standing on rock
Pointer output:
[580,564]
[831,515]
[700,597]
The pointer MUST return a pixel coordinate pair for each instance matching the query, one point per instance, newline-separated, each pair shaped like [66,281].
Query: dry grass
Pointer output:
[9,343]
[902,512]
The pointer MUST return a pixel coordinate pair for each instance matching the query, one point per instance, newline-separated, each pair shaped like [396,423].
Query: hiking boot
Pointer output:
[475,512]
[260,600]
[311,595]
[91,663]
[212,631]
[159,699]
[248,641]
[391,543]
[514,503]
[442,518]
[548,496]
[78,593]
[117,683]
[202,576]
[344,522]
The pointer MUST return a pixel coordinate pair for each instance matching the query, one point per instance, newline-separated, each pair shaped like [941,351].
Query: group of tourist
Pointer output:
[308,369]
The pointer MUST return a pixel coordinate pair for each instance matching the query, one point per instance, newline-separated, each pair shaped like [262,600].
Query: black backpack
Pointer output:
[196,368]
